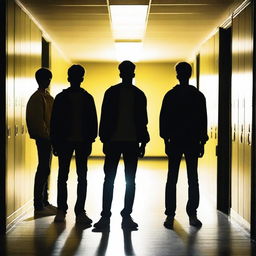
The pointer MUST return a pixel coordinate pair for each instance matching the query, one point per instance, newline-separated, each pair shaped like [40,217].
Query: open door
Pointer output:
[224,123]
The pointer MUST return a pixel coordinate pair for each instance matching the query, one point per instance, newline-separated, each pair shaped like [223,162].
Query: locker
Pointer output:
[242,113]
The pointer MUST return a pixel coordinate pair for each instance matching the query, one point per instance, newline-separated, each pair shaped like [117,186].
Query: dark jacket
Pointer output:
[62,117]
[109,114]
[183,116]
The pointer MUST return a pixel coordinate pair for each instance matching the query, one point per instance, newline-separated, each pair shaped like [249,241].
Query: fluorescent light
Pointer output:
[128,21]
[128,51]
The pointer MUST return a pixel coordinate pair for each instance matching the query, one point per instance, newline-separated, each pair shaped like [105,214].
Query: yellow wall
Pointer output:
[58,66]
[23,59]
[155,79]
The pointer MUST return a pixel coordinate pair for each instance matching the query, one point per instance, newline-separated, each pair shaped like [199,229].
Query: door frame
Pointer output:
[253,157]
[3,58]
[223,149]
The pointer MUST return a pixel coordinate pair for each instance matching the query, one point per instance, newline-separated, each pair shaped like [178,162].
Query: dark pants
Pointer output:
[191,156]
[44,151]
[113,151]
[82,151]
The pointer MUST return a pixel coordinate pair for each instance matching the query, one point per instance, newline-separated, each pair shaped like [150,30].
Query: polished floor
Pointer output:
[218,237]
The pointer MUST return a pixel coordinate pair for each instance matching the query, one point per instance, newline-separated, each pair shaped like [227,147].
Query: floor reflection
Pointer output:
[128,248]
[103,245]
[217,237]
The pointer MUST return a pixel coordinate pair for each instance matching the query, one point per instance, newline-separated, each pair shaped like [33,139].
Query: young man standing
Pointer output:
[73,128]
[123,130]
[183,126]
[38,115]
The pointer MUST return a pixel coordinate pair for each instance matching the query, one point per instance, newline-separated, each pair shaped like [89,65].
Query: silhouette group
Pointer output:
[68,124]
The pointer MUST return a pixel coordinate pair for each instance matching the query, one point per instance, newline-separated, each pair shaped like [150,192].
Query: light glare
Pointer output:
[128,51]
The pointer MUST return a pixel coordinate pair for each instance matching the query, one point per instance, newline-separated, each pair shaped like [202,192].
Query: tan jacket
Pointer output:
[38,114]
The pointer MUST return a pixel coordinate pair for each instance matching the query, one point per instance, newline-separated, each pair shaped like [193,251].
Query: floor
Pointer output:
[218,237]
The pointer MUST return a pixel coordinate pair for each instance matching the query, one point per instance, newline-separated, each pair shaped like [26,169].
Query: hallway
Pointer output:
[216,37]
[219,236]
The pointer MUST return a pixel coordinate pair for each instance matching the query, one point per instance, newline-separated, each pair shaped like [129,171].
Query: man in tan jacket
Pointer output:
[38,116]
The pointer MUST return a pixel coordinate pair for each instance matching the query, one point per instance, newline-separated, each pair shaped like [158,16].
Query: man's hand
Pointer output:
[141,152]
[167,147]
[54,151]
[200,150]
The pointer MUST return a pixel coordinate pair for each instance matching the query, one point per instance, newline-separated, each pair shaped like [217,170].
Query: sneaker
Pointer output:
[194,221]
[168,223]
[52,207]
[60,216]
[83,219]
[128,223]
[44,212]
[103,223]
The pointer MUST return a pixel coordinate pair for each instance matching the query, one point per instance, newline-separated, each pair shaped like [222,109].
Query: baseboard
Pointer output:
[18,215]
[242,223]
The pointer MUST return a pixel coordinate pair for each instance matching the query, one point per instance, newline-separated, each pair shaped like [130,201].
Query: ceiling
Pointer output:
[175,28]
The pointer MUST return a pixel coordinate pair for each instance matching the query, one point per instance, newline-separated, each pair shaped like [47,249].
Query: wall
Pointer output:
[23,59]
[208,85]
[154,79]
[24,50]
[242,68]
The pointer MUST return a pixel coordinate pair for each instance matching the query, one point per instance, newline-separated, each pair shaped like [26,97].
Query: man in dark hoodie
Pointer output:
[73,128]
[183,126]
[123,130]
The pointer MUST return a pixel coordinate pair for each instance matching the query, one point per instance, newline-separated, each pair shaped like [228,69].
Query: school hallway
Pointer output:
[217,38]
[218,236]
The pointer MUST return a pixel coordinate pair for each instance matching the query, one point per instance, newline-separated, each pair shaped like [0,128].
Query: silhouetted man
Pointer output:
[73,128]
[38,115]
[123,130]
[183,126]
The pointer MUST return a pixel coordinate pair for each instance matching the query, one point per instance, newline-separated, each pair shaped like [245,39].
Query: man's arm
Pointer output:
[35,118]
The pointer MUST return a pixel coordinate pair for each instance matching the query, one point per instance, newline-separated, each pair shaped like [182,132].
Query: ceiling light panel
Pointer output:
[128,21]
[130,2]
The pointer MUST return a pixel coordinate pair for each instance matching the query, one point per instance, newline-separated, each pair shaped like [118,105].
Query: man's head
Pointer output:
[76,74]
[43,77]
[183,71]
[126,69]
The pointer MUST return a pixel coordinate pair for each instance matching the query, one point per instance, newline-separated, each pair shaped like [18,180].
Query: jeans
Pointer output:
[44,151]
[65,153]
[191,157]
[113,151]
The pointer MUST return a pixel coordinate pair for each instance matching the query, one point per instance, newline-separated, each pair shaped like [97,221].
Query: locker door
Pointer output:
[17,113]
[234,111]
[241,89]
[248,49]
[10,112]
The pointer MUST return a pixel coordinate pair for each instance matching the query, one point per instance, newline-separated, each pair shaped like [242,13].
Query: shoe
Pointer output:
[128,223]
[44,212]
[60,216]
[194,221]
[168,223]
[103,223]
[83,219]
[52,207]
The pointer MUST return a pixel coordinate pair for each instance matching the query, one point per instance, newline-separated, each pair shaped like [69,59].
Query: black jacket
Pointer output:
[62,117]
[183,116]
[109,114]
